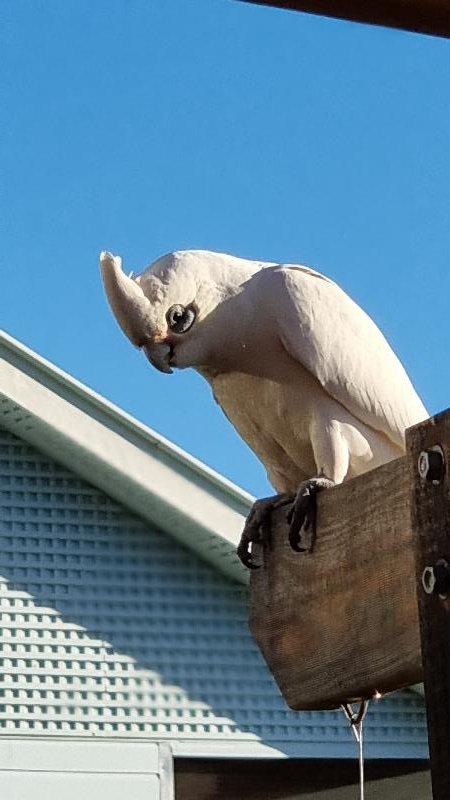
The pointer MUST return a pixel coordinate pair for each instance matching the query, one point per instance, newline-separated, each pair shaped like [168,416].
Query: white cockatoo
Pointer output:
[300,370]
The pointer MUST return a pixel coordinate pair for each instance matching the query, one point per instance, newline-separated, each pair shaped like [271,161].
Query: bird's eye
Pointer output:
[180,318]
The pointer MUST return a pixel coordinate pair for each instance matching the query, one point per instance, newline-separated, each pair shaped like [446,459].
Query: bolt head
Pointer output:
[436,579]
[431,464]
[423,464]
[428,580]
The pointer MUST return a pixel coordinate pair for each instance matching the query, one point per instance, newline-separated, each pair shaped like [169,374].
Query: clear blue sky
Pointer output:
[143,126]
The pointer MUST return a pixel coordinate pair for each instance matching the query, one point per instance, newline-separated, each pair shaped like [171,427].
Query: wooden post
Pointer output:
[341,622]
[428,446]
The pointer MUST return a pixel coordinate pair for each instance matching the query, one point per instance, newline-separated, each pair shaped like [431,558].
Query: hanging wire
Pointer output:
[356,720]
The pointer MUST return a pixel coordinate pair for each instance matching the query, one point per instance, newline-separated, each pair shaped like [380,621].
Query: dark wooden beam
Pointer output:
[368,609]
[430,506]
[341,622]
[300,778]
[421,16]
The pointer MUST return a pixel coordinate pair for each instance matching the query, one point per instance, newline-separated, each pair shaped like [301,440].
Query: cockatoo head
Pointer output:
[171,310]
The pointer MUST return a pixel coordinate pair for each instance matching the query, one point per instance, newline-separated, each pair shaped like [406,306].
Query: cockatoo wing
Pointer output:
[330,335]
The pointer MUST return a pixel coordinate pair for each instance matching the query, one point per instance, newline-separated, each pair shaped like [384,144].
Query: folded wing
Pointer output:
[330,335]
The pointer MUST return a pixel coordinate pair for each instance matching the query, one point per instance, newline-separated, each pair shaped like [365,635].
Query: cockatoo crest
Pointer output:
[165,309]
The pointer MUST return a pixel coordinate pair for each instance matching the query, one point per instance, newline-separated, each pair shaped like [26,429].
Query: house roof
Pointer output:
[156,480]
[118,454]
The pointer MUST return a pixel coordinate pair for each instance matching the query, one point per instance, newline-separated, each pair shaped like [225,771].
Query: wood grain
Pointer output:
[341,623]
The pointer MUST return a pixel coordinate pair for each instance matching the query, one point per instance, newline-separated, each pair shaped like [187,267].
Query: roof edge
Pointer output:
[121,456]
[80,390]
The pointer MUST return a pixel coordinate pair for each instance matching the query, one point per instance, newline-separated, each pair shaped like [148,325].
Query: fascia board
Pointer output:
[119,455]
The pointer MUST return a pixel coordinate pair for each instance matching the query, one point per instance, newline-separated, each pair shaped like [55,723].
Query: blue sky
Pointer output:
[144,126]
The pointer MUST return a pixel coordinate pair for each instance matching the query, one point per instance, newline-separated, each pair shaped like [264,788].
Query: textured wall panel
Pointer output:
[111,628]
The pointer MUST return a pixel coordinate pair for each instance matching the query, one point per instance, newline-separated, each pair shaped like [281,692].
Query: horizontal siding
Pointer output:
[111,628]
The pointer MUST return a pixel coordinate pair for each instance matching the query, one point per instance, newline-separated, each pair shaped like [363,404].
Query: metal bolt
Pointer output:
[431,464]
[436,580]
[428,580]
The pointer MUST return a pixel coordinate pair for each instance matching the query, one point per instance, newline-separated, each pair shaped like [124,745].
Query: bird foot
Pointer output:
[257,526]
[302,515]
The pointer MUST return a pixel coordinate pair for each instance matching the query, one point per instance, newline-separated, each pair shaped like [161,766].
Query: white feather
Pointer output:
[301,371]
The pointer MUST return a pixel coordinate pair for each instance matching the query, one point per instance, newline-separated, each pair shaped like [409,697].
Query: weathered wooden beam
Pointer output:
[341,622]
[421,16]
[430,506]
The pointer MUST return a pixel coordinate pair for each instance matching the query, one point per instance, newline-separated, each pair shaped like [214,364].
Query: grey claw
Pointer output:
[245,555]
[294,541]
[257,527]
[302,514]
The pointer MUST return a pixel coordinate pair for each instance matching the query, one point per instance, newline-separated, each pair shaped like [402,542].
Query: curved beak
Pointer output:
[133,311]
[128,302]
[159,354]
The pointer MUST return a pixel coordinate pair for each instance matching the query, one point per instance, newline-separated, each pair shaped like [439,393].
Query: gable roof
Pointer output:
[127,460]
[113,629]
[111,450]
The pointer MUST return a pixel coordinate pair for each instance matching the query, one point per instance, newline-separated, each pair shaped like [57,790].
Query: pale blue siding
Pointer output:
[112,629]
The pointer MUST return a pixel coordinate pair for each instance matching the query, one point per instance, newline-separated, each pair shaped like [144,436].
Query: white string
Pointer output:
[356,720]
